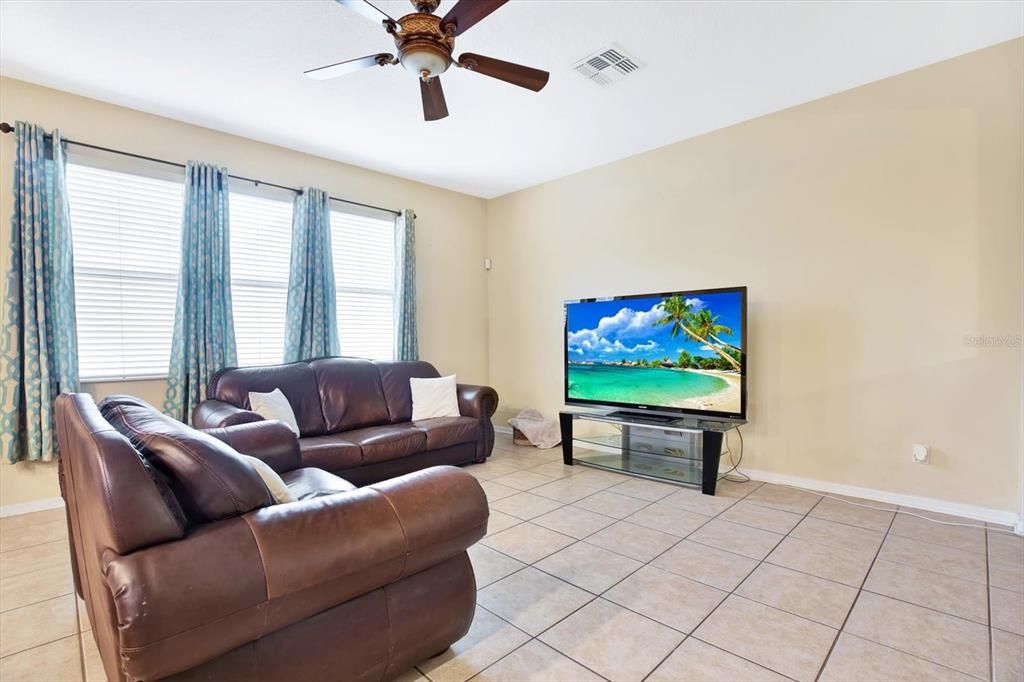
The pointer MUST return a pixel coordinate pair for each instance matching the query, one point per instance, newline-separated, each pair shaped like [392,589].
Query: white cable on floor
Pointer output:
[744,479]
[736,465]
[898,511]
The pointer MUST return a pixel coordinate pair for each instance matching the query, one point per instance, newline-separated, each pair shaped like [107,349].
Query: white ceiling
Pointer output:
[237,67]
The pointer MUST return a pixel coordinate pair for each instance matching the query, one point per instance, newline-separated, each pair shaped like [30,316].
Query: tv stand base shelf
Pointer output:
[679,451]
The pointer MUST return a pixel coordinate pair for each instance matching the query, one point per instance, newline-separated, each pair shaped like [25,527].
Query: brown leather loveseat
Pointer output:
[191,571]
[355,416]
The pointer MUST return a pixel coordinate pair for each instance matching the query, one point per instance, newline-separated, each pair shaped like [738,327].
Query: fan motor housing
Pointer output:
[423,47]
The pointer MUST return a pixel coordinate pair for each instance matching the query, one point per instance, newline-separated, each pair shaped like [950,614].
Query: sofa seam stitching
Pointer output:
[405,536]
[142,647]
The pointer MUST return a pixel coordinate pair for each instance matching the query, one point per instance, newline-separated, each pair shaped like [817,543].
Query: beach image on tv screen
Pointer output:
[672,351]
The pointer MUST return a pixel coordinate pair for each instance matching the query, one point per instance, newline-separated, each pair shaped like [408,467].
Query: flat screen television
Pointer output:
[682,352]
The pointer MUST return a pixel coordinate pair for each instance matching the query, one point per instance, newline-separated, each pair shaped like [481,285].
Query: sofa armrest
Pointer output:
[271,441]
[392,529]
[480,402]
[215,414]
[183,603]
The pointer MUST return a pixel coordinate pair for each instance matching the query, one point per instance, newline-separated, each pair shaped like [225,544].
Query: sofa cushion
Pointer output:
[210,479]
[394,378]
[381,443]
[330,453]
[350,393]
[309,482]
[445,431]
[296,380]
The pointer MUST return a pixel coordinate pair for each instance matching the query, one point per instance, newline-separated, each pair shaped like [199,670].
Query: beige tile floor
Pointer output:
[587,575]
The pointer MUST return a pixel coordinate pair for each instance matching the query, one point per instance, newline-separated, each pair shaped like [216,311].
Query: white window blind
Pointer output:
[261,236]
[363,248]
[126,236]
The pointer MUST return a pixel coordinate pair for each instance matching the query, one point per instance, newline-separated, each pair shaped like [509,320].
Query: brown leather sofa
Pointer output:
[355,416]
[190,571]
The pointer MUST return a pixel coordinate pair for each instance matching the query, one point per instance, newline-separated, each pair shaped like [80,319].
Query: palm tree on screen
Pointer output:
[705,324]
[680,315]
[677,313]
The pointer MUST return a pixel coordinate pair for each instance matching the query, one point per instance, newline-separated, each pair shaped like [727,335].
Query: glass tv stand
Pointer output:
[680,451]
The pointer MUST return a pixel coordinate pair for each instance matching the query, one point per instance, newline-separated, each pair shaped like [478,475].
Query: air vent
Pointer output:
[607,66]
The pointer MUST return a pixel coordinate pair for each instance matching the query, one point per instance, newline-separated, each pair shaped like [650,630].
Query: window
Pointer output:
[126,237]
[261,236]
[363,248]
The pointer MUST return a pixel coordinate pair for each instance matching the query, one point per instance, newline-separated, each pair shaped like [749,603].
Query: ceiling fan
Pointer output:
[425,42]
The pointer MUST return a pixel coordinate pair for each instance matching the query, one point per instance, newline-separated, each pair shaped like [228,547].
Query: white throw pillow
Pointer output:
[434,398]
[274,405]
[274,483]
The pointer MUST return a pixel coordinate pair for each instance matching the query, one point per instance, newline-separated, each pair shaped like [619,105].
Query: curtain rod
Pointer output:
[8,128]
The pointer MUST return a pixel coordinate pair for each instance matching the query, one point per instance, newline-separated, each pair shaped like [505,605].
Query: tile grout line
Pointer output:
[729,593]
[648,563]
[39,601]
[856,598]
[595,597]
[861,590]
[532,638]
[685,635]
[732,592]
[807,514]
[988,605]
[81,647]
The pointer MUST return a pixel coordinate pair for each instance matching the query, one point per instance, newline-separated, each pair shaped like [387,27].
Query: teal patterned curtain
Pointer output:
[204,330]
[39,348]
[406,345]
[311,324]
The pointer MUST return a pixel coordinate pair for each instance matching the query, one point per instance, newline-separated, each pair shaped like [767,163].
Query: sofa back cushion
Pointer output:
[296,380]
[115,499]
[209,478]
[394,377]
[350,392]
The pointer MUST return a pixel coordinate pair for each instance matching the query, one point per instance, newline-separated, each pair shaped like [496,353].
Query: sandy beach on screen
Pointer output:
[726,400]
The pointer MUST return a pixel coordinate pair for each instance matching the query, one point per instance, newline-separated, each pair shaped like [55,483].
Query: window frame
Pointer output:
[88,157]
[259,191]
[385,216]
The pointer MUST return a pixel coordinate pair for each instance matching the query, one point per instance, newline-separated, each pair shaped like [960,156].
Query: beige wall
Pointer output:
[876,229]
[450,236]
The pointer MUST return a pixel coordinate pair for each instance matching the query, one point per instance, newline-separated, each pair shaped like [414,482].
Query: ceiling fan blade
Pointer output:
[434,106]
[467,13]
[516,74]
[367,9]
[341,68]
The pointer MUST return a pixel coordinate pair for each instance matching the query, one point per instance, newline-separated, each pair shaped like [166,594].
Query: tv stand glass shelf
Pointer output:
[681,451]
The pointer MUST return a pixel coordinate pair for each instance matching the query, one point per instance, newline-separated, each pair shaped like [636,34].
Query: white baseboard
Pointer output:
[503,429]
[970,511]
[31,506]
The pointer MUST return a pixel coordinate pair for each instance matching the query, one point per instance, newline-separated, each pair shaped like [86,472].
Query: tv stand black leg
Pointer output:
[565,424]
[712,452]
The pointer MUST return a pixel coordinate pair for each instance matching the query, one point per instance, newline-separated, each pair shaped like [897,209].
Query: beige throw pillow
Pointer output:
[274,405]
[433,398]
[275,484]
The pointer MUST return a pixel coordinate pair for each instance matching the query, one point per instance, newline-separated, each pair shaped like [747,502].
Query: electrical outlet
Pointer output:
[919,453]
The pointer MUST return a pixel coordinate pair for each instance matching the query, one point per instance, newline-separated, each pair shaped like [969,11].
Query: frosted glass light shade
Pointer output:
[419,61]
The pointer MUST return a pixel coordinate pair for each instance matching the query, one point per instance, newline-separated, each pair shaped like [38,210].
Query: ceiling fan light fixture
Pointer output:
[425,44]
[424,58]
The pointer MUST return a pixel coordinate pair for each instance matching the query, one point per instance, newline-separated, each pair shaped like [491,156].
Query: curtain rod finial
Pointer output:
[6,127]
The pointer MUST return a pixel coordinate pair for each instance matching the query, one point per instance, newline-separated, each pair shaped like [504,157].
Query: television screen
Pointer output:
[676,352]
